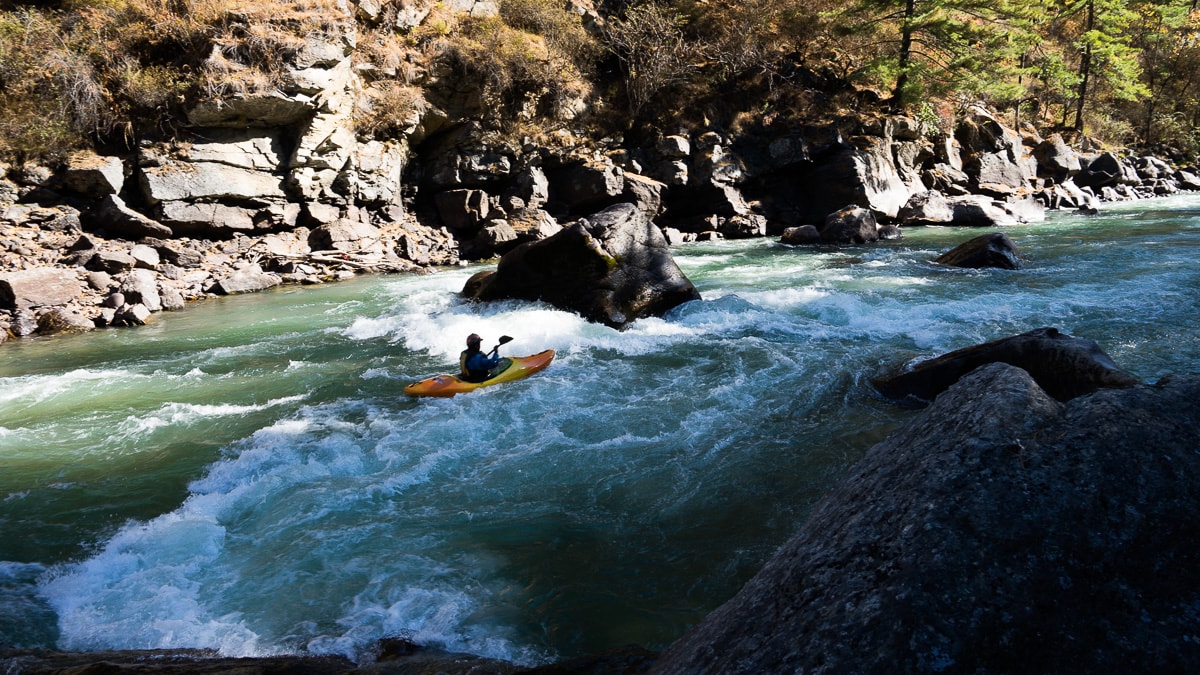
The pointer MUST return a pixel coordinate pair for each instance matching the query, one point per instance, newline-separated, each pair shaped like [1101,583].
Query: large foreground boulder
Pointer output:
[611,268]
[999,531]
[1063,365]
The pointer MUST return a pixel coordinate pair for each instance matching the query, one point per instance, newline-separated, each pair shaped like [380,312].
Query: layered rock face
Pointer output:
[1000,531]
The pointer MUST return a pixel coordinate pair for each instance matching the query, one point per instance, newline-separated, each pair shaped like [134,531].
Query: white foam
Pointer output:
[34,389]
[172,414]
[141,591]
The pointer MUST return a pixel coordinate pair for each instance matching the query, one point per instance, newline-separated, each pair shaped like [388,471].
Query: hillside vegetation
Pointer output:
[111,73]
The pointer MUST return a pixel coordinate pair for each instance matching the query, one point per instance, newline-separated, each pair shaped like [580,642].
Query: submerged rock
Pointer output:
[612,268]
[1063,365]
[999,531]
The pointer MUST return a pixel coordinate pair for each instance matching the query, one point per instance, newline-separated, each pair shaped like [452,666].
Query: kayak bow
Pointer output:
[509,370]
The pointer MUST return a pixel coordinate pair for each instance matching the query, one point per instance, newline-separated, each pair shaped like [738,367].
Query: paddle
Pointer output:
[504,339]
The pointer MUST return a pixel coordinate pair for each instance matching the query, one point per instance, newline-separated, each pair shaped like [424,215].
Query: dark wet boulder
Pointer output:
[998,531]
[890,232]
[851,225]
[987,250]
[1063,365]
[1107,169]
[802,235]
[612,268]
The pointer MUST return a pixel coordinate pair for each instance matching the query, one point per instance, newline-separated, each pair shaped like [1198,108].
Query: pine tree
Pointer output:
[1099,32]
[967,46]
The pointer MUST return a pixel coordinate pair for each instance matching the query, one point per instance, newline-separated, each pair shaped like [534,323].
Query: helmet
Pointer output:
[473,339]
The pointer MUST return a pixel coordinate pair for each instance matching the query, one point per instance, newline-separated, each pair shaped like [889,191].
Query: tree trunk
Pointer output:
[1085,69]
[899,98]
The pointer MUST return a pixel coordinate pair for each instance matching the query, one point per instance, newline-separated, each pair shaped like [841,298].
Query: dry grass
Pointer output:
[393,109]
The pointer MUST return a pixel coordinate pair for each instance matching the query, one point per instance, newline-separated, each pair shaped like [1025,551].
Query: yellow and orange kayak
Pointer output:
[510,369]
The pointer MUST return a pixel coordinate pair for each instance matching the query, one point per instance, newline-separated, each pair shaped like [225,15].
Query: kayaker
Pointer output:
[475,365]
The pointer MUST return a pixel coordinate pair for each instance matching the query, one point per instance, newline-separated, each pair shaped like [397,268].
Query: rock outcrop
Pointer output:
[1064,366]
[999,531]
[612,268]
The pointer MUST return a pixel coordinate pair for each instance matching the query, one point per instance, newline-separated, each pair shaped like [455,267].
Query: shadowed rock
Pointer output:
[612,268]
[988,250]
[111,215]
[851,225]
[1063,365]
[801,235]
[999,531]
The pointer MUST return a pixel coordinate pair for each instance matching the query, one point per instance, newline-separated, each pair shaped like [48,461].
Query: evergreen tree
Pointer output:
[1107,61]
[1167,35]
[970,47]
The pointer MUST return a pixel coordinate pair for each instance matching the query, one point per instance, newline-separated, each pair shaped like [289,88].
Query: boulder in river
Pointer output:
[998,531]
[801,235]
[851,225]
[612,268]
[986,250]
[1063,365]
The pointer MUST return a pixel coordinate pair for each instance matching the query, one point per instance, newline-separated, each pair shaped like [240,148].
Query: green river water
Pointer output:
[246,475]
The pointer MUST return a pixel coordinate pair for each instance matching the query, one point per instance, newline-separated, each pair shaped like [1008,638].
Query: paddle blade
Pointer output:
[504,339]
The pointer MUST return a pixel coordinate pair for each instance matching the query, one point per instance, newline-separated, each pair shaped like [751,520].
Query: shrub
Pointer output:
[655,56]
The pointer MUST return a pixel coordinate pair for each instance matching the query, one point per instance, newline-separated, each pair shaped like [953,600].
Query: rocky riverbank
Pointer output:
[261,189]
[74,255]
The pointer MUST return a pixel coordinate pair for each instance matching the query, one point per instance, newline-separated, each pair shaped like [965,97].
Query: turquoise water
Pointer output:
[247,476]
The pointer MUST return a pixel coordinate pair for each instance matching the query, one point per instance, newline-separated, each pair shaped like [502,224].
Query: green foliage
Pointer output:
[919,48]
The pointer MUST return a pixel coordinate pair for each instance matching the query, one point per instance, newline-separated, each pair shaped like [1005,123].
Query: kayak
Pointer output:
[509,370]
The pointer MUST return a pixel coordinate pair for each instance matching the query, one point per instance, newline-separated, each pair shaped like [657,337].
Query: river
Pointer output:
[247,476]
